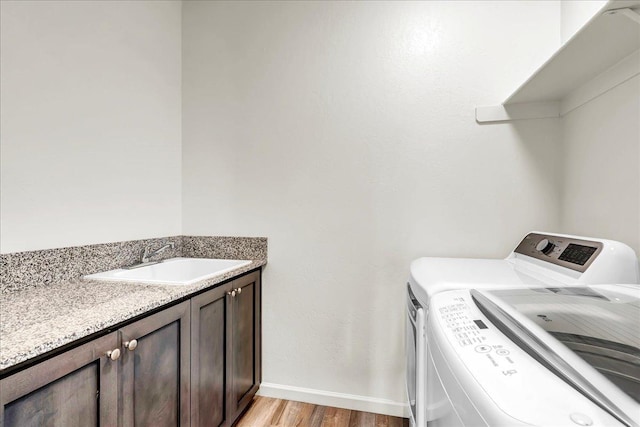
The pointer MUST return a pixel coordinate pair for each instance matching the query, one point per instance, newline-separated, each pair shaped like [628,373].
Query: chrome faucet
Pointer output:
[146,255]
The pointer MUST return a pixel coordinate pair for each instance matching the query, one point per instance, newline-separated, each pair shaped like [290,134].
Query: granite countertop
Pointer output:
[37,320]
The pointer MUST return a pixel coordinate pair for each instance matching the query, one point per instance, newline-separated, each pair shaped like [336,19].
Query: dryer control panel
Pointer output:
[572,253]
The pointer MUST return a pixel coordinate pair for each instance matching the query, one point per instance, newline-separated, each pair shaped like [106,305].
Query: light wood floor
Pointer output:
[267,412]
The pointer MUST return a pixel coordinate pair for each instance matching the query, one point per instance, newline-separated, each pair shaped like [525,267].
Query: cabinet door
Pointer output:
[208,349]
[77,388]
[244,329]
[155,374]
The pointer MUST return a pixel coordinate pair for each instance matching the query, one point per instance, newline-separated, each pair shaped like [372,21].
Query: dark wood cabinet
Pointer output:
[77,388]
[148,383]
[208,356]
[226,327]
[245,349]
[196,363]
[156,371]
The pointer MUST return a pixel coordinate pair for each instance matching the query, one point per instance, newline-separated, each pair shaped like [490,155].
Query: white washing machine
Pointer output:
[540,260]
[559,356]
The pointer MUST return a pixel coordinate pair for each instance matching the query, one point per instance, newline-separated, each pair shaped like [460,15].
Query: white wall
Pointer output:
[345,132]
[90,120]
[575,13]
[601,185]
[601,153]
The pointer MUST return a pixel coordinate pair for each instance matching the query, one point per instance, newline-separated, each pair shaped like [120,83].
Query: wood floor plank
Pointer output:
[336,417]
[329,417]
[391,421]
[270,412]
[290,414]
[382,420]
[342,417]
[278,412]
[304,416]
[296,414]
[260,412]
[317,416]
[362,419]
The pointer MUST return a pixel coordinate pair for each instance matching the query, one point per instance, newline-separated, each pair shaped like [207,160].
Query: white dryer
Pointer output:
[539,260]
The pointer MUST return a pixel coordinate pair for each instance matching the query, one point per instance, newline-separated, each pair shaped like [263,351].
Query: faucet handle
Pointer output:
[145,254]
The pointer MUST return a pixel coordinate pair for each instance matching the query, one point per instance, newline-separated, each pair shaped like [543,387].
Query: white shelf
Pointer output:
[606,40]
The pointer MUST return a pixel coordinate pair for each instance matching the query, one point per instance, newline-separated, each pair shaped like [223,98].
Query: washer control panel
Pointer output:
[469,329]
[575,254]
[493,370]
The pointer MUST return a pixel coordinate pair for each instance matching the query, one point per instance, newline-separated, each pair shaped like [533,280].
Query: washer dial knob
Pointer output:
[545,246]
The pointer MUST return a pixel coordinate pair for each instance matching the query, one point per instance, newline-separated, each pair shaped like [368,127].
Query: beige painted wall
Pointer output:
[89,122]
[345,132]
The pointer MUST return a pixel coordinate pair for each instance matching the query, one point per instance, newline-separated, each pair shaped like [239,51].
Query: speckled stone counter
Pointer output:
[45,304]
[37,320]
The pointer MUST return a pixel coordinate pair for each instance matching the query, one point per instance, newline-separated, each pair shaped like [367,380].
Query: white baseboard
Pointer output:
[338,400]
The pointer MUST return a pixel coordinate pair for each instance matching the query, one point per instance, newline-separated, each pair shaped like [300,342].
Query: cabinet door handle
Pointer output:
[114,354]
[131,345]
[239,291]
[232,293]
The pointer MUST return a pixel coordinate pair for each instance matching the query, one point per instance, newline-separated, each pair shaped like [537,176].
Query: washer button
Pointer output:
[483,349]
[581,419]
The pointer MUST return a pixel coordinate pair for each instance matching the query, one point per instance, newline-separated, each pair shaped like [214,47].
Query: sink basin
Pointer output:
[173,271]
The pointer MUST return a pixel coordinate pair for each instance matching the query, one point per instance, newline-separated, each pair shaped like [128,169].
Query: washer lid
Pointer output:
[430,276]
[588,336]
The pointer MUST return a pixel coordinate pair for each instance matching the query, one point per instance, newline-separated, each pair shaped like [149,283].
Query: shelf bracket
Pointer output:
[523,111]
[628,12]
